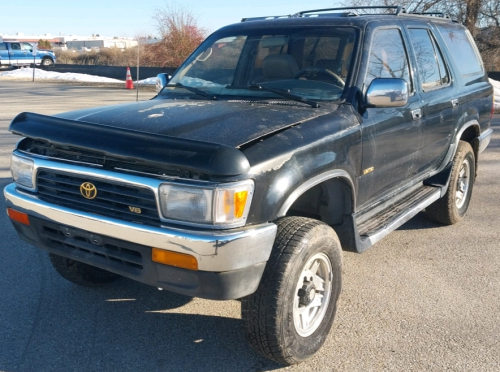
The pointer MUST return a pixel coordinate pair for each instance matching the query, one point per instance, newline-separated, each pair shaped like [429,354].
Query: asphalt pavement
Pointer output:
[425,298]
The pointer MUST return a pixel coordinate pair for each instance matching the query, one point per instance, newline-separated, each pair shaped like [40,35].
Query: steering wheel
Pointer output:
[319,71]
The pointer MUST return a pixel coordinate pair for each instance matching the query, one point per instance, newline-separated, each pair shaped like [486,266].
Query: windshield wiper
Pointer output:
[283,93]
[194,90]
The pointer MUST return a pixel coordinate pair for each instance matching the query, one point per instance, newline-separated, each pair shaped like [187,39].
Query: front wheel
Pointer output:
[47,62]
[452,207]
[290,315]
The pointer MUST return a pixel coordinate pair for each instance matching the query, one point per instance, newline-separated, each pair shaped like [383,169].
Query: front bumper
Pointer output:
[230,262]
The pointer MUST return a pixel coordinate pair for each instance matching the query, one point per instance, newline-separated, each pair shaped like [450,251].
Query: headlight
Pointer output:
[223,206]
[22,171]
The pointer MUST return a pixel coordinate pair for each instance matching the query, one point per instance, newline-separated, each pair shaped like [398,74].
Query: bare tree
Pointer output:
[472,13]
[180,35]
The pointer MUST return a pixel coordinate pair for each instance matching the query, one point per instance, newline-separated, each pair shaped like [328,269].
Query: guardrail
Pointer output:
[114,72]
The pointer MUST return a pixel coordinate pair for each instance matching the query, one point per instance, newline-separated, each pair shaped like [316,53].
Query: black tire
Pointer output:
[452,207]
[47,62]
[80,273]
[269,314]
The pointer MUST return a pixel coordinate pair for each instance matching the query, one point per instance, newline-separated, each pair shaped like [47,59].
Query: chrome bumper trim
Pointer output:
[484,139]
[215,250]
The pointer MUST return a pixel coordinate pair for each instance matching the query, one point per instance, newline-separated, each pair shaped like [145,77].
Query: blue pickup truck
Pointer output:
[15,53]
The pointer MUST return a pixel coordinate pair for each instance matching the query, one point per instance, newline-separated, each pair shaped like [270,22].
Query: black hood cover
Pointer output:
[231,123]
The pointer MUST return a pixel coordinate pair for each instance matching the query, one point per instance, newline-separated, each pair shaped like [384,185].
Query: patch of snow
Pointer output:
[52,75]
[496,86]
[151,80]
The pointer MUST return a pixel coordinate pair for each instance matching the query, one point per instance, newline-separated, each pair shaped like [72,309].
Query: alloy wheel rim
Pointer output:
[312,294]
[463,184]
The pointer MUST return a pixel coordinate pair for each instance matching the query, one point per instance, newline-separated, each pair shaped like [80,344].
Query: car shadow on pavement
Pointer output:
[50,324]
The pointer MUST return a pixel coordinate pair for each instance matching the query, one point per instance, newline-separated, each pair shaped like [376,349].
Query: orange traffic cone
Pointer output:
[129,84]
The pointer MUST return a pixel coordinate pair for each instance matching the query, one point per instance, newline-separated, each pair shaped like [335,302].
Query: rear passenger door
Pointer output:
[17,55]
[391,136]
[440,105]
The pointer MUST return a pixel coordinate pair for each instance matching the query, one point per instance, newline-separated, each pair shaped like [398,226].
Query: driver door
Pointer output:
[391,136]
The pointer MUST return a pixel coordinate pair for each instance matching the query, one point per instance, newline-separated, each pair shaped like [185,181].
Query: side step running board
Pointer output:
[388,220]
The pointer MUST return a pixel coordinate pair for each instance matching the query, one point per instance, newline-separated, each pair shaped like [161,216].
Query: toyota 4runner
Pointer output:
[279,142]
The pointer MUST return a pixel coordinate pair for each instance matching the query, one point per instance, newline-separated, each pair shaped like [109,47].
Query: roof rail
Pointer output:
[352,12]
[432,14]
[398,9]
[306,13]
[263,18]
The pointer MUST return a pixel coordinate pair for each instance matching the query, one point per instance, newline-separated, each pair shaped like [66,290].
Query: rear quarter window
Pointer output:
[463,52]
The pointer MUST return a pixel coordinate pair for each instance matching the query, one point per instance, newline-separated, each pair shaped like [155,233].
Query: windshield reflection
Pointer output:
[309,63]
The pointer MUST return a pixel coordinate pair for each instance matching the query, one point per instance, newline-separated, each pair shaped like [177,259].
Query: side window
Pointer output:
[458,41]
[388,58]
[443,69]
[3,46]
[430,64]
[15,46]
[28,47]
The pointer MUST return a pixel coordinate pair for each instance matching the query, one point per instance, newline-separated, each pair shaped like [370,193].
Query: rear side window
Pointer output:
[431,68]
[388,58]
[15,46]
[2,46]
[459,44]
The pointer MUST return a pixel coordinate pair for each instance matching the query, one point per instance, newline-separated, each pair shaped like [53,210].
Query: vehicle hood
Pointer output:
[231,123]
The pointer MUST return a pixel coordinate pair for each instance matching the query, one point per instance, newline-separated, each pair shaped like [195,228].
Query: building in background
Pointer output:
[82,43]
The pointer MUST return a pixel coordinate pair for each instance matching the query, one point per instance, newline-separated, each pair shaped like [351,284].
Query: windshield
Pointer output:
[310,63]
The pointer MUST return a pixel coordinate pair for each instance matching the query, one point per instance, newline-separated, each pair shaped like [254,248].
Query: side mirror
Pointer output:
[161,81]
[387,93]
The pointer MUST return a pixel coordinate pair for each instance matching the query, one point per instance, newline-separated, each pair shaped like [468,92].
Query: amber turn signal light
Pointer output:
[170,258]
[18,216]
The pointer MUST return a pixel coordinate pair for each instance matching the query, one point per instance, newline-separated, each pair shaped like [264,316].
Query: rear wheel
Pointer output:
[80,273]
[290,315]
[452,207]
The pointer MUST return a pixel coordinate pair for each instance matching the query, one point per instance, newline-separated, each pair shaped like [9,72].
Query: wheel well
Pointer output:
[328,201]
[471,135]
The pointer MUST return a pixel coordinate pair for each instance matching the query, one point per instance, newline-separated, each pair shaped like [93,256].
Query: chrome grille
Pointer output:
[113,199]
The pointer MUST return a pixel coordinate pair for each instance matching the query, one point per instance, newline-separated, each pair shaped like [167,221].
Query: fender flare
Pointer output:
[316,180]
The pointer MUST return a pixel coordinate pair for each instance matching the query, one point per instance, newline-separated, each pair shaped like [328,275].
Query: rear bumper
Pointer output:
[230,262]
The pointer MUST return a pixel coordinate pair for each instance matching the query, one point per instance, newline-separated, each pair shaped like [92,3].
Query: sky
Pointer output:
[132,17]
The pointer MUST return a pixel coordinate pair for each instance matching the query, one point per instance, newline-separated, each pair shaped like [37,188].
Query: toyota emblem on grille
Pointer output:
[88,190]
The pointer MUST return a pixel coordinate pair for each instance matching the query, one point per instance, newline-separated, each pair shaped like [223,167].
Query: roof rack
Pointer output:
[348,12]
[432,14]
[397,8]
[352,12]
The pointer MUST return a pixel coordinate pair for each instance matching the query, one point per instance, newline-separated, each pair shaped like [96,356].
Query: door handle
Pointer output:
[454,103]
[416,114]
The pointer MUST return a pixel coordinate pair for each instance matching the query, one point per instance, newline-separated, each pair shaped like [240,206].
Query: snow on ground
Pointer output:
[496,85]
[151,80]
[52,75]
[24,73]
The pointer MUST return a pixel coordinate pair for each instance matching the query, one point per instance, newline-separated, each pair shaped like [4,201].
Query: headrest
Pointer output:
[281,66]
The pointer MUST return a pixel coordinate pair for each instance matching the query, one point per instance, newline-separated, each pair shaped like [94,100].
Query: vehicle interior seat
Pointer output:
[278,67]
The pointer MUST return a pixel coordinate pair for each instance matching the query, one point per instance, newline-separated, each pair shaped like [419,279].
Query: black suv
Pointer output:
[279,142]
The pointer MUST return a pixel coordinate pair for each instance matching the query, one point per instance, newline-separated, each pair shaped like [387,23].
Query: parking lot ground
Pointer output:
[425,298]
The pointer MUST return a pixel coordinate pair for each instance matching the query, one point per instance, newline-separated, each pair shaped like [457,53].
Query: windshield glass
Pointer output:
[310,63]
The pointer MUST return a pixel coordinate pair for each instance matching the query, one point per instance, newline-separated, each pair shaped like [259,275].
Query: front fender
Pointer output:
[286,165]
